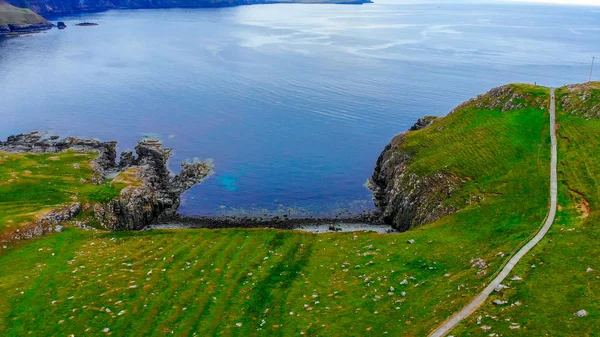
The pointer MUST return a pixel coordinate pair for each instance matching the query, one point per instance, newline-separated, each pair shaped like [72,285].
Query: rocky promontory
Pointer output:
[406,199]
[152,192]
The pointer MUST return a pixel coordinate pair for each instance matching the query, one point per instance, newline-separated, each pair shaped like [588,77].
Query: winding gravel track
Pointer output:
[451,322]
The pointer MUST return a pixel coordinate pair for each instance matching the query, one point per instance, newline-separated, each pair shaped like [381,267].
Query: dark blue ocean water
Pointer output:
[293,103]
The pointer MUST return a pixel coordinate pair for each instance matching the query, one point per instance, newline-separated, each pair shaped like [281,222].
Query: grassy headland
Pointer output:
[33,184]
[11,15]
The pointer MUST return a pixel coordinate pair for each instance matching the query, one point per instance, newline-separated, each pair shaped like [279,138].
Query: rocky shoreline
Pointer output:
[278,222]
[23,29]
[319,226]
[156,196]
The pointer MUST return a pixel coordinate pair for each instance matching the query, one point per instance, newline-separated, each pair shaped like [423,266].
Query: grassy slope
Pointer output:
[225,277]
[559,284]
[33,183]
[10,14]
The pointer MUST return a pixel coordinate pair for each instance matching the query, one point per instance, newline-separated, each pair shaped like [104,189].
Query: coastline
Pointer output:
[55,14]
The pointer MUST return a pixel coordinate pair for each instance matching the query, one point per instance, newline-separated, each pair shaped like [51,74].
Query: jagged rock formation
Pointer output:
[60,7]
[154,192]
[158,194]
[406,200]
[18,20]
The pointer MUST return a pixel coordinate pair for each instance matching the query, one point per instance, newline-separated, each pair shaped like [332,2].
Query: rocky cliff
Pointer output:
[152,191]
[407,199]
[60,7]
[20,20]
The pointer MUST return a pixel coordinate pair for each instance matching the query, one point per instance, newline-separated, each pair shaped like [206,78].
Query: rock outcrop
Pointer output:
[153,191]
[36,142]
[506,98]
[46,224]
[581,100]
[157,196]
[423,123]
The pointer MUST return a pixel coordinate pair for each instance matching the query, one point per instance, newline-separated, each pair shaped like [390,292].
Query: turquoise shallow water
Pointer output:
[293,103]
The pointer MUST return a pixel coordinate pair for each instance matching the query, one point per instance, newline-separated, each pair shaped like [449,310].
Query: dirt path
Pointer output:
[451,322]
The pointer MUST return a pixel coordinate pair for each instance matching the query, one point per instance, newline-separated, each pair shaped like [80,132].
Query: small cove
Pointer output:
[293,103]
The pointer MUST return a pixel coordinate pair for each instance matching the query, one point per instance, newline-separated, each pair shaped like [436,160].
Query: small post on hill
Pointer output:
[592,70]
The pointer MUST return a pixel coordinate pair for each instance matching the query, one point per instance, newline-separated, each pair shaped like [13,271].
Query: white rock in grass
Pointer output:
[238,324]
[500,287]
[589,270]
[411,241]
[581,313]
[105,330]
[499,302]
[516,278]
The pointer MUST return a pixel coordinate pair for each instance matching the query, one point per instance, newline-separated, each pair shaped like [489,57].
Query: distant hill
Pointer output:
[20,20]
[59,7]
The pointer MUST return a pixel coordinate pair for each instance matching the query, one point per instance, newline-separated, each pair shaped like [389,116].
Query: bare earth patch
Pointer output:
[583,206]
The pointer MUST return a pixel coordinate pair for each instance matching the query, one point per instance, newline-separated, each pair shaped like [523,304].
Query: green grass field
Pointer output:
[271,282]
[560,284]
[32,184]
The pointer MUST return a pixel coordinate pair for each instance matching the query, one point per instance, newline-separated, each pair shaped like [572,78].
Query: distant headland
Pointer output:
[49,8]
[14,20]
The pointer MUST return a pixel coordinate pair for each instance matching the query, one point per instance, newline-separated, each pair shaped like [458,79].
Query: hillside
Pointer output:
[14,19]
[560,277]
[61,7]
[470,157]
[272,282]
